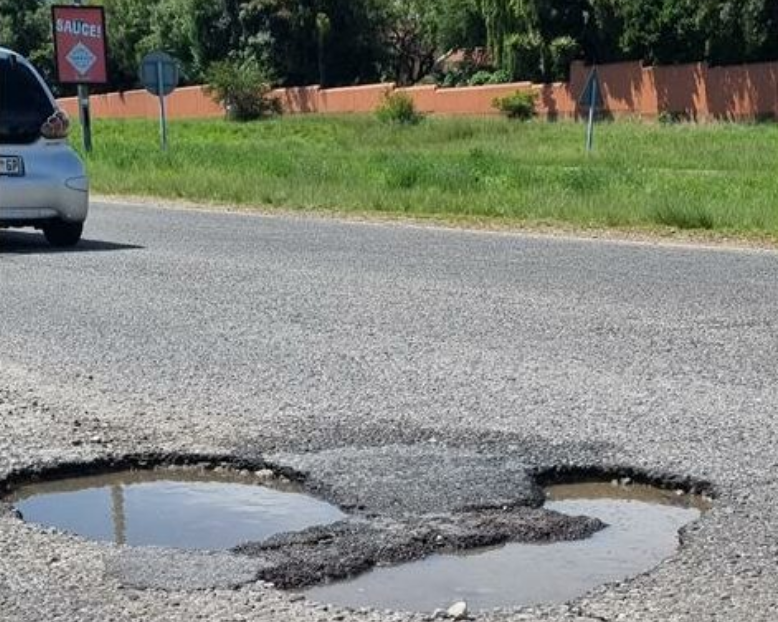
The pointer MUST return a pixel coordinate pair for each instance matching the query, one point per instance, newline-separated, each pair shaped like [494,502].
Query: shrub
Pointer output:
[243,88]
[454,78]
[449,80]
[563,51]
[525,57]
[501,76]
[480,78]
[520,105]
[398,108]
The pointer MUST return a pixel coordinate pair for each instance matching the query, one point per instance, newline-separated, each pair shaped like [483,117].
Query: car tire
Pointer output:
[63,234]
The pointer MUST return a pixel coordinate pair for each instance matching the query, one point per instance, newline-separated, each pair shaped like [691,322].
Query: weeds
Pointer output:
[707,177]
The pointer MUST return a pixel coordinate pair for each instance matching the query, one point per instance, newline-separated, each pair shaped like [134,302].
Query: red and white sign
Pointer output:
[79,44]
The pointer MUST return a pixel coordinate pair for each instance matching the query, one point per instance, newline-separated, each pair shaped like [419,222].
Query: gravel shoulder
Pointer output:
[296,339]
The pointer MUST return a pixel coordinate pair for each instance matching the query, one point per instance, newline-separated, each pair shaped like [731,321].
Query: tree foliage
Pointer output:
[343,42]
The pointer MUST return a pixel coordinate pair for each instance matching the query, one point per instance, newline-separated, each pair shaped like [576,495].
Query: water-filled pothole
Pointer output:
[180,508]
[643,524]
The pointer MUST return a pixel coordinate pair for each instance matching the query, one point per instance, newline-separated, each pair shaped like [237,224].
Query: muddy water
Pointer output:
[642,531]
[182,508]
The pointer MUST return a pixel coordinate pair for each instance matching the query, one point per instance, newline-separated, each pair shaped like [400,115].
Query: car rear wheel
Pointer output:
[63,234]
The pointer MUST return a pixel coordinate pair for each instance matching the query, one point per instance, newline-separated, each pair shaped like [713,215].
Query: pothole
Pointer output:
[386,555]
[643,523]
[184,508]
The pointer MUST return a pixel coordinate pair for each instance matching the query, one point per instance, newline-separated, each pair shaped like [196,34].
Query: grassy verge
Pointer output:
[715,177]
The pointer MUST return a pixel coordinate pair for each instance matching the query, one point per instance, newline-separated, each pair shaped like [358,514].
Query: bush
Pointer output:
[398,108]
[454,78]
[480,78]
[525,57]
[243,88]
[563,51]
[450,80]
[520,105]
[501,76]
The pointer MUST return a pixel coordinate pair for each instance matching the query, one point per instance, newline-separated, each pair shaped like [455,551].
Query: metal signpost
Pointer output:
[80,49]
[591,98]
[159,75]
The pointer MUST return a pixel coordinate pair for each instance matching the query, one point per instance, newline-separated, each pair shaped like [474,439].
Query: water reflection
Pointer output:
[189,509]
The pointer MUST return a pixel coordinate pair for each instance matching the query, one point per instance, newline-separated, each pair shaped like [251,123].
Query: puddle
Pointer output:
[180,508]
[643,531]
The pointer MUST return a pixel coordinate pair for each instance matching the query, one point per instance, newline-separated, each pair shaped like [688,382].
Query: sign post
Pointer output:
[85,116]
[80,50]
[591,98]
[159,75]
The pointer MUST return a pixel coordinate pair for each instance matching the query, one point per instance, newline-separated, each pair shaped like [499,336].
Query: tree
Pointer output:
[534,39]
[25,27]
[665,31]
[411,39]
[500,21]
[130,25]
[460,25]
[342,42]
[742,31]
[603,24]
[323,30]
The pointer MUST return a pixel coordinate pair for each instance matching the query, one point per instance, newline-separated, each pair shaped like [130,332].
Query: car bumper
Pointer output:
[54,187]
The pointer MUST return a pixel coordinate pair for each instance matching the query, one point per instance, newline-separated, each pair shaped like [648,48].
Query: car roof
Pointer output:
[6,53]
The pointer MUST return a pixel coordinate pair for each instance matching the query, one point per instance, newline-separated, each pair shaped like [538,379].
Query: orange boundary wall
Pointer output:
[694,91]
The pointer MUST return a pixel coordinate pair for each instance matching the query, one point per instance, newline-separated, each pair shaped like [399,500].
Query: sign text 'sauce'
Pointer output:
[79,28]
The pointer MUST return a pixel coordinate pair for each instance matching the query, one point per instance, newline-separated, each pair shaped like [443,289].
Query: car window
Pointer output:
[24,104]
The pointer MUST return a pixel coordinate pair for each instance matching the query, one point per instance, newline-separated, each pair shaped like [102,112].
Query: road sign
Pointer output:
[80,44]
[591,97]
[159,76]
[591,100]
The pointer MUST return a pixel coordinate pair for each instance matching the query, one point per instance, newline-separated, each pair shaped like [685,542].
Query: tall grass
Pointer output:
[720,177]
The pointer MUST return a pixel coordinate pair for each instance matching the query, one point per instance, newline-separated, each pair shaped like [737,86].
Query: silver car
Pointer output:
[43,183]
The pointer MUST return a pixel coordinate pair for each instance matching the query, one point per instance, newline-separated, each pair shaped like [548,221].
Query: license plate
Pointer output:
[11,166]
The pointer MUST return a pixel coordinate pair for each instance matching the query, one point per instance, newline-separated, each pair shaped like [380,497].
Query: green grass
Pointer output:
[722,178]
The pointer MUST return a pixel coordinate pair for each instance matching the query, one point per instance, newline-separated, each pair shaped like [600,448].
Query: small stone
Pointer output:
[458,611]
[264,474]
[626,481]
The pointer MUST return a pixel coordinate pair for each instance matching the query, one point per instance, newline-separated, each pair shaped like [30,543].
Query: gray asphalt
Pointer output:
[305,339]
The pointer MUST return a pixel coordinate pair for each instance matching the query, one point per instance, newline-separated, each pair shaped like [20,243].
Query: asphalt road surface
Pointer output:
[345,348]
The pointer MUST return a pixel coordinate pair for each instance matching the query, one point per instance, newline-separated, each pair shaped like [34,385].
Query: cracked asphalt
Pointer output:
[324,346]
